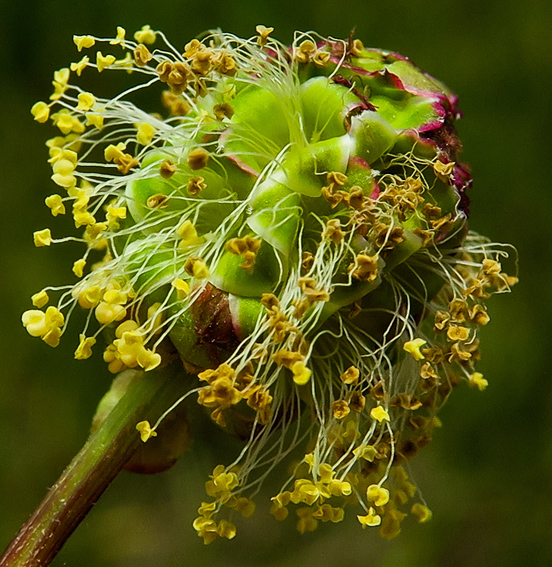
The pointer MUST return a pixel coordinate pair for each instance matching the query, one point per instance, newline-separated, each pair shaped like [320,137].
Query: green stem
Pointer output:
[99,461]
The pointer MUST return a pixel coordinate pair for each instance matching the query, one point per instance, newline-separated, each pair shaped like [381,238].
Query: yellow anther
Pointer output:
[79,66]
[371,519]
[103,61]
[380,414]
[378,495]
[197,268]
[95,120]
[40,299]
[368,452]
[84,350]
[263,32]
[423,513]
[90,297]
[113,152]
[182,287]
[413,347]
[86,101]
[83,41]
[351,375]
[40,111]
[55,204]
[120,37]
[301,373]
[78,267]
[476,379]
[146,432]
[42,237]
[145,133]
[145,35]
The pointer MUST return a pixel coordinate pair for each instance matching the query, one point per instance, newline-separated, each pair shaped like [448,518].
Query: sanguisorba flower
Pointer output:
[293,227]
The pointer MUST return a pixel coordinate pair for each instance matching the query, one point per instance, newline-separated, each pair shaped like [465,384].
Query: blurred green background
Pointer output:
[487,475]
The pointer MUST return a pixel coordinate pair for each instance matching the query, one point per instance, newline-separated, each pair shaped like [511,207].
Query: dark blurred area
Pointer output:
[488,473]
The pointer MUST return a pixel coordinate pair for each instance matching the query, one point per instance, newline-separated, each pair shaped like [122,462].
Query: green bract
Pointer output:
[295,231]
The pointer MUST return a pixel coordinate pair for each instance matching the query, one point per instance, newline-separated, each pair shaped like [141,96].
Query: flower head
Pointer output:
[293,227]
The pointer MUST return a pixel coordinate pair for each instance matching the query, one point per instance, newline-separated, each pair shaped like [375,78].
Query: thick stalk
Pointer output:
[99,461]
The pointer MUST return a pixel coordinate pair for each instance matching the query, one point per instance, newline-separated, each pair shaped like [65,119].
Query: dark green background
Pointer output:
[487,475]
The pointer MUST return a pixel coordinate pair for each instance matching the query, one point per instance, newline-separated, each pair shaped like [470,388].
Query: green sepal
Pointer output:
[373,135]
[324,103]
[276,214]
[245,314]
[264,277]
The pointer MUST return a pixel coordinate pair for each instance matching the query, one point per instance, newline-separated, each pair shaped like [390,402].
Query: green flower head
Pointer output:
[291,224]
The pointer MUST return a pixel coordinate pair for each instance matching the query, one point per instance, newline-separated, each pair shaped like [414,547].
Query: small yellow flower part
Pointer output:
[83,41]
[245,506]
[187,233]
[197,159]
[263,32]
[301,374]
[103,61]
[86,101]
[67,123]
[368,452]
[78,267]
[84,350]
[148,359]
[142,55]
[145,133]
[40,299]
[114,214]
[477,379]
[413,347]
[146,432]
[120,37]
[95,120]
[306,522]
[371,519]
[340,409]
[423,513]
[34,321]
[182,287]
[42,238]
[60,82]
[458,333]
[89,297]
[40,111]
[226,529]
[379,414]
[55,204]
[197,268]
[379,496]
[80,66]
[145,35]
[350,376]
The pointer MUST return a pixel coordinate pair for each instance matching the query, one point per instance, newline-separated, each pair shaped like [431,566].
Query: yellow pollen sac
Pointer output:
[40,299]
[145,35]
[103,61]
[40,111]
[379,496]
[197,268]
[84,350]
[95,120]
[476,379]
[301,374]
[182,287]
[379,414]
[120,37]
[413,347]
[371,519]
[80,66]
[78,267]
[145,133]
[263,32]
[55,204]
[86,101]
[42,238]
[423,513]
[146,432]
[350,376]
[83,41]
